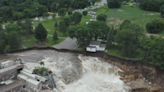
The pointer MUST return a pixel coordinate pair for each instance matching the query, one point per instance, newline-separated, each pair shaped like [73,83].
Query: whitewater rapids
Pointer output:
[97,76]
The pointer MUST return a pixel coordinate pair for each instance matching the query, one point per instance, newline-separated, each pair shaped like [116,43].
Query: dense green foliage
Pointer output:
[14,41]
[162,11]
[19,9]
[76,18]
[129,39]
[10,38]
[92,31]
[151,5]
[26,27]
[66,21]
[40,33]
[41,71]
[154,51]
[156,26]
[114,3]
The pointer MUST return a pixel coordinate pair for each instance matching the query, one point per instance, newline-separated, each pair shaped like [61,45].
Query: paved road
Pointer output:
[68,43]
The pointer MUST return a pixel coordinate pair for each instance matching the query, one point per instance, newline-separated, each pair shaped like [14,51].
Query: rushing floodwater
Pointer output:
[76,73]
[97,76]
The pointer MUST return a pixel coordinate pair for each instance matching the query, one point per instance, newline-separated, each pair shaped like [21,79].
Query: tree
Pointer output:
[156,26]
[85,34]
[162,11]
[114,3]
[40,33]
[76,17]
[102,17]
[98,30]
[80,4]
[26,27]
[14,41]
[129,40]
[62,12]
[55,36]
[150,5]
[154,51]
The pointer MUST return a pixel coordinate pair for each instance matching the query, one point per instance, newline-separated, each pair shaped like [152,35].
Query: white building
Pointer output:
[95,46]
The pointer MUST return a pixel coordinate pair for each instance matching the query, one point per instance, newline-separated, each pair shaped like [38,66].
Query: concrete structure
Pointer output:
[95,46]
[10,69]
[32,82]
[15,86]
[8,75]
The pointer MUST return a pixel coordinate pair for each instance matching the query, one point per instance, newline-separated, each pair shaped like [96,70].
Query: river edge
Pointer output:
[140,77]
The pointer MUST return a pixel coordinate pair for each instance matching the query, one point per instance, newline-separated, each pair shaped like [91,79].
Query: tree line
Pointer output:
[20,9]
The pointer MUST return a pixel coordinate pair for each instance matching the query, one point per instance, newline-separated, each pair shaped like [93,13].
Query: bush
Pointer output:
[156,26]
[102,17]
[40,71]
[114,3]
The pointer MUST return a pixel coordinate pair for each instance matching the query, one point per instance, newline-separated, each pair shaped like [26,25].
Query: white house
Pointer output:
[95,46]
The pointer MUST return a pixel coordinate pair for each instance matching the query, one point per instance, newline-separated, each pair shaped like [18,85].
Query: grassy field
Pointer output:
[49,25]
[132,13]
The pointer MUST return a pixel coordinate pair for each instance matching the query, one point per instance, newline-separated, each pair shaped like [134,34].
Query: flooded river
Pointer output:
[76,73]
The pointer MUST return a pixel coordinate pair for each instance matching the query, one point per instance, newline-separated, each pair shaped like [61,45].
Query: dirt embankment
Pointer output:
[140,77]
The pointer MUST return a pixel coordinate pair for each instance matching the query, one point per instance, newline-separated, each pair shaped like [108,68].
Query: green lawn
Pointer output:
[85,19]
[49,25]
[132,13]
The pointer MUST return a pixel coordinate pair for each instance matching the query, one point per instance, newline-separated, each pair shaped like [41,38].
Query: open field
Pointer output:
[132,13]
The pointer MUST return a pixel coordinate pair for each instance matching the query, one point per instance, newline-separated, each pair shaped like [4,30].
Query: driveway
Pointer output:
[68,43]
